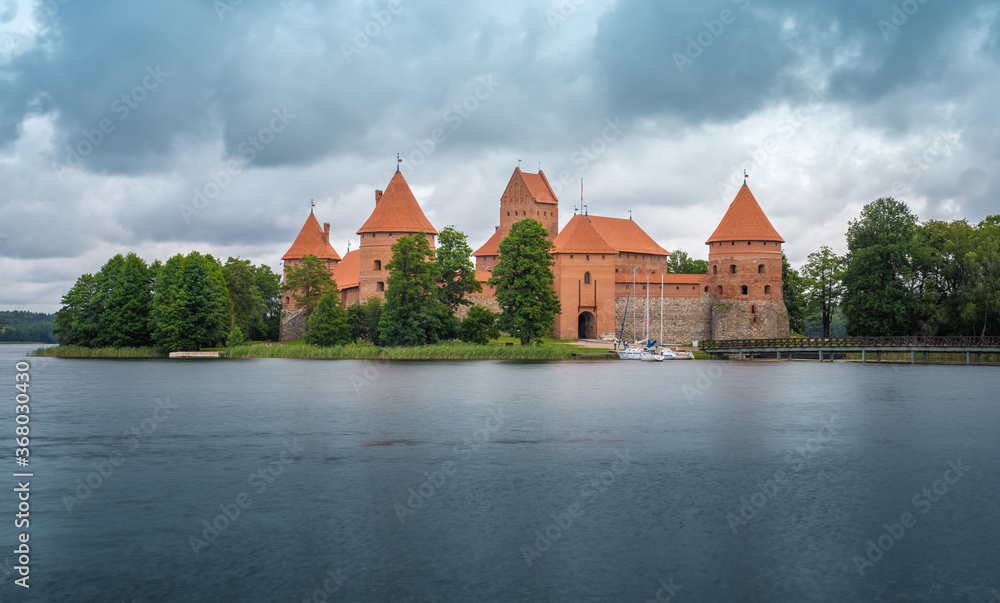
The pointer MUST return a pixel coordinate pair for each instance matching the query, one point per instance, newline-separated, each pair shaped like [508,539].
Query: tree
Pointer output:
[77,320]
[125,294]
[246,306]
[878,298]
[824,272]
[268,284]
[412,311]
[235,337]
[523,281]
[983,287]
[364,319]
[479,326]
[190,304]
[794,293]
[308,281]
[328,325]
[456,273]
[682,263]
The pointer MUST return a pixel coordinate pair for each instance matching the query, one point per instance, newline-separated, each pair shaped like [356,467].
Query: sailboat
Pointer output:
[645,350]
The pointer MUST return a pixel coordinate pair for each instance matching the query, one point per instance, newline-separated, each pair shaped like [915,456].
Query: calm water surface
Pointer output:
[499,481]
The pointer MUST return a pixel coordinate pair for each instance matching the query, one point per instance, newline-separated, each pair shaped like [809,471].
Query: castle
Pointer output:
[595,258]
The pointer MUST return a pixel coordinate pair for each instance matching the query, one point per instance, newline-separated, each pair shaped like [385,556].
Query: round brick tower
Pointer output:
[744,263]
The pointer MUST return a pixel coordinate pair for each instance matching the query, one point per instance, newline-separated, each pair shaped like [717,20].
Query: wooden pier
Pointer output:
[824,349]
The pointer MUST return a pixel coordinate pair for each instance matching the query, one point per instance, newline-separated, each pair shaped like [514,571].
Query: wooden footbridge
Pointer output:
[866,346]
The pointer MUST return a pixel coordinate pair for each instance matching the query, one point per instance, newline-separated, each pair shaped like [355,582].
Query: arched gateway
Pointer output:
[585,326]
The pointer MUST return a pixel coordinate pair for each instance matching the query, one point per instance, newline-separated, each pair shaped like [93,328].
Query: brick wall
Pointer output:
[684,319]
[733,319]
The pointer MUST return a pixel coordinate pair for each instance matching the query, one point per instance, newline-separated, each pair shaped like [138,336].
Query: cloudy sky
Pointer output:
[161,127]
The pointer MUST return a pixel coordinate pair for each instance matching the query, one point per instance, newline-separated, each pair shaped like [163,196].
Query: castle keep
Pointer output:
[595,257]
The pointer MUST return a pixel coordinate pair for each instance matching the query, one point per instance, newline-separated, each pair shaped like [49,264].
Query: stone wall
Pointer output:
[684,319]
[293,325]
[749,320]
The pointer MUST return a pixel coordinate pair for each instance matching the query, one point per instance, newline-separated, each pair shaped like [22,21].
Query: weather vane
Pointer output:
[312,204]
[630,214]
[745,176]
[399,161]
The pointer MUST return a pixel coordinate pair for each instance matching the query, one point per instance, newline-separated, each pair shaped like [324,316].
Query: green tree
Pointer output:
[456,273]
[824,272]
[308,281]
[523,281]
[328,325]
[77,320]
[364,319]
[190,304]
[235,337]
[794,286]
[982,308]
[268,284]
[479,326]
[682,263]
[125,297]
[246,305]
[878,298]
[412,312]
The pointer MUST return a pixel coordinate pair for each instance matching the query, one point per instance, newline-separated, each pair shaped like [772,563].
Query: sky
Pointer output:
[164,127]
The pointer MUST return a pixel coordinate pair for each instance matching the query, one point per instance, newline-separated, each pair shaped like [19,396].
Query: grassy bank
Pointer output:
[550,350]
[74,351]
[441,351]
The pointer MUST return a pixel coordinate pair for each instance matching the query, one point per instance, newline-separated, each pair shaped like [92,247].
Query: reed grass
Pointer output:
[440,351]
[75,351]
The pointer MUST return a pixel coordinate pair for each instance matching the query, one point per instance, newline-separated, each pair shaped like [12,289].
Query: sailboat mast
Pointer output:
[661,308]
[647,309]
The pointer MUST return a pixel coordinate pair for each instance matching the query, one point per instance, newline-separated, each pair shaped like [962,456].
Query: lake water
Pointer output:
[502,481]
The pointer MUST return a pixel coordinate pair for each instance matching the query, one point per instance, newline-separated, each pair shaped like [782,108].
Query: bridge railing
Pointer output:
[853,342]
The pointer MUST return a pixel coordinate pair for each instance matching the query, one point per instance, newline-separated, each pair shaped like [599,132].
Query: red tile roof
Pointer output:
[745,221]
[348,272]
[654,279]
[397,211]
[491,247]
[538,186]
[626,236]
[312,240]
[580,236]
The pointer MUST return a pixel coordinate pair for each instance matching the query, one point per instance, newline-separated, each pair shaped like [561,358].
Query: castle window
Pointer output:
[715,269]
[602,257]
[380,286]
[586,278]
[748,242]
[733,243]
[767,289]
[288,299]
[732,268]
[537,213]
[706,288]
[678,287]
[760,269]
[588,258]
[508,214]
[571,256]
[378,264]
[744,289]
[753,309]
[720,289]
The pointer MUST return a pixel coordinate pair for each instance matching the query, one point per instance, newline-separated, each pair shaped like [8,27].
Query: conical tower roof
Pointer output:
[312,240]
[580,236]
[397,210]
[744,221]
